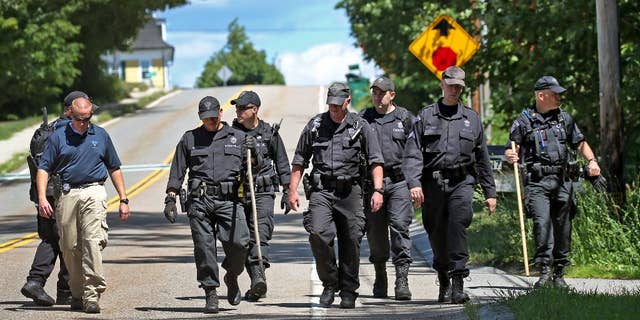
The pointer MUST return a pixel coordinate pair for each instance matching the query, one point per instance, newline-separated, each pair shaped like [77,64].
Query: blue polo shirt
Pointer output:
[79,158]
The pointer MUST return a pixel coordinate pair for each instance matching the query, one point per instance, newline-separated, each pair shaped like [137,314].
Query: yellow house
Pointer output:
[148,59]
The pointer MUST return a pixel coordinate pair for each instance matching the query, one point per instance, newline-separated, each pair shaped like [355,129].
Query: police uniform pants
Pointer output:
[330,216]
[81,215]
[446,214]
[266,222]
[222,219]
[393,218]
[47,253]
[549,201]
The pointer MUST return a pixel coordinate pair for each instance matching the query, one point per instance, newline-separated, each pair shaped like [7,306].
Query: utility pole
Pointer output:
[611,115]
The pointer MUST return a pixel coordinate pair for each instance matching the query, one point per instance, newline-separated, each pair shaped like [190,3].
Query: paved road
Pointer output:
[149,263]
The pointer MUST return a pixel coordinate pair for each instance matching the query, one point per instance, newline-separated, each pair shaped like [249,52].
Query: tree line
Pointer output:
[49,47]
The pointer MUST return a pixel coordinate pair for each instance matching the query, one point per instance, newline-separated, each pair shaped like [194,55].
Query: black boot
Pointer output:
[34,290]
[327,296]
[402,282]
[380,285]
[211,297]
[258,283]
[457,293]
[63,297]
[348,300]
[545,275]
[233,291]
[444,294]
[558,277]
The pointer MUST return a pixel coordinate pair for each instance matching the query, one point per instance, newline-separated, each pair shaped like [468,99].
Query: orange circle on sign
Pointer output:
[443,58]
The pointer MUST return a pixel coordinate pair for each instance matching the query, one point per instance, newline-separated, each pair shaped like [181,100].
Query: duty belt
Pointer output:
[544,170]
[328,182]
[394,175]
[224,190]
[453,173]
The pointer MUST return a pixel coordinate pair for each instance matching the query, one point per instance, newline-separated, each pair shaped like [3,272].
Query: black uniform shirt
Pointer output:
[212,157]
[438,142]
[270,145]
[334,151]
[558,130]
[391,130]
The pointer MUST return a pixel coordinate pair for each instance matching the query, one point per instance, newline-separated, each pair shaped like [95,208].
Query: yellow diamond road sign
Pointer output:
[442,44]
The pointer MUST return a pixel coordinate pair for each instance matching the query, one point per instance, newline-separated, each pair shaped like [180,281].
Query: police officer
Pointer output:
[215,155]
[338,141]
[275,171]
[545,136]
[48,250]
[446,154]
[392,125]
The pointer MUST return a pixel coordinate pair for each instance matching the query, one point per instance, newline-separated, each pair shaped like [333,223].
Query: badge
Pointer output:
[400,126]
[351,131]
[94,143]
[467,123]
[233,139]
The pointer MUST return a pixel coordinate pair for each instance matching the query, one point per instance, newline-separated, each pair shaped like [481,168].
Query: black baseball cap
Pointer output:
[549,82]
[209,107]
[384,83]
[247,97]
[338,92]
[68,100]
[453,75]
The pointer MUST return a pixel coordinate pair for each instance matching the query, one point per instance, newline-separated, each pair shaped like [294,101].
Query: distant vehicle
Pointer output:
[502,170]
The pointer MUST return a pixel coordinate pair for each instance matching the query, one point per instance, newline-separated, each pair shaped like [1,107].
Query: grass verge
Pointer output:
[8,128]
[554,303]
[16,161]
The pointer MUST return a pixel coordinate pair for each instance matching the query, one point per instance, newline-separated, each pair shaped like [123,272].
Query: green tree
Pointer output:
[37,56]
[50,47]
[521,41]
[249,66]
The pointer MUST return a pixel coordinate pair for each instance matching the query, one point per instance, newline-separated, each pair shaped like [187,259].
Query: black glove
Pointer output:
[250,143]
[284,202]
[170,209]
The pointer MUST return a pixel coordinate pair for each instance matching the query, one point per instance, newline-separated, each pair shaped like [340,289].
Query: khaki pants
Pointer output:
[82,225]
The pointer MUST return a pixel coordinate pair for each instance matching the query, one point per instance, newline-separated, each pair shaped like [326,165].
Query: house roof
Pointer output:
[150,37]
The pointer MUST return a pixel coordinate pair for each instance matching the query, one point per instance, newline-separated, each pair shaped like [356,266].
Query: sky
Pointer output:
[308,41]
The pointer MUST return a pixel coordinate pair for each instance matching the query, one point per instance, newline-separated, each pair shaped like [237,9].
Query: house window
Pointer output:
[123,68]
[144,67]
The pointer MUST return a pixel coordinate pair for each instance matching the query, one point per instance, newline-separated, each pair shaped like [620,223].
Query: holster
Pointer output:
[306,185]
[183,200]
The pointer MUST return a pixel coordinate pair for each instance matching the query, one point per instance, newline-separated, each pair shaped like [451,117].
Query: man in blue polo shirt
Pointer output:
[83,155]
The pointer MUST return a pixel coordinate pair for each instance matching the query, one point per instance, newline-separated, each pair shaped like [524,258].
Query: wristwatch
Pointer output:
[125,200]
[379,190]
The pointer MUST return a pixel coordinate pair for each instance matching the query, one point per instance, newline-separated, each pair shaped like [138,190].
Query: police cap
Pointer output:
[549,82]
[453,75]
[68,100]
[209,107]
[384,84]
[247,97]
[338,92]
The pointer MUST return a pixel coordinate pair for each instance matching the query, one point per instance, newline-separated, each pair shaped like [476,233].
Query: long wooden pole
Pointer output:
[516,173]
[256,232]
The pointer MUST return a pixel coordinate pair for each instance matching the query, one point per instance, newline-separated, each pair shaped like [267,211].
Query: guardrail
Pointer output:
[125,168]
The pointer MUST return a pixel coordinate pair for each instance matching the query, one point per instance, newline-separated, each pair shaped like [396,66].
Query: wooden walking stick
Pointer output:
[516,173]
[256,232]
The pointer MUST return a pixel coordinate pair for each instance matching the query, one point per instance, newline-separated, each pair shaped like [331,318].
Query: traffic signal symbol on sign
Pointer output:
[442,44]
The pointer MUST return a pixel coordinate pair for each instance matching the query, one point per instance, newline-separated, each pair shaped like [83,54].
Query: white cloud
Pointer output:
[209,3]
[323,64]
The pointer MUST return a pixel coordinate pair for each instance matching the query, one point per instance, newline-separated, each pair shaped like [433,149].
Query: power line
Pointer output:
[286,29]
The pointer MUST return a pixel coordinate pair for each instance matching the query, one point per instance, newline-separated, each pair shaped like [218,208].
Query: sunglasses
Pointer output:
[243,108]
[84,120]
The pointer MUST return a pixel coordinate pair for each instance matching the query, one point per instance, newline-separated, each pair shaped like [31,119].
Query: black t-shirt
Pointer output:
[447,110]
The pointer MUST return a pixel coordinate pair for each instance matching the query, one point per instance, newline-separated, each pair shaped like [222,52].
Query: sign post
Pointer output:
[442,44]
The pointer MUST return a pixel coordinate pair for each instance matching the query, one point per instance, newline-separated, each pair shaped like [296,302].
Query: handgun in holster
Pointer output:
[183,200]
[306,185]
